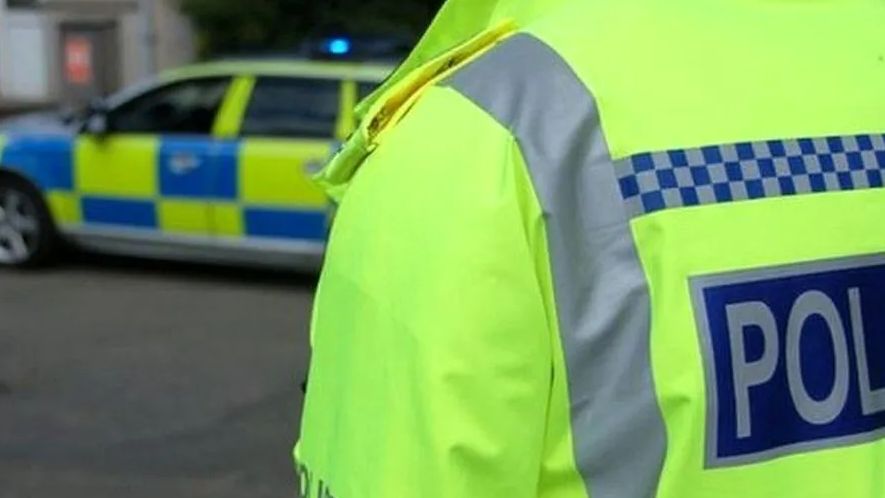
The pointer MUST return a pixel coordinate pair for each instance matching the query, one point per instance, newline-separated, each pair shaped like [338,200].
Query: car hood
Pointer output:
[37,122]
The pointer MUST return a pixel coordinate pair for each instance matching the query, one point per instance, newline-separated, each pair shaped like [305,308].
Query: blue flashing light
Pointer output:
[338,46]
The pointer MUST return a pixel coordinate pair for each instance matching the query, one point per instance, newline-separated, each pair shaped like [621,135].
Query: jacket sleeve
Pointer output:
[431,364]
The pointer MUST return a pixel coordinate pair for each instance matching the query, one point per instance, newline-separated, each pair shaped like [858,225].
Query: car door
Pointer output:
[287,133]
[154,170]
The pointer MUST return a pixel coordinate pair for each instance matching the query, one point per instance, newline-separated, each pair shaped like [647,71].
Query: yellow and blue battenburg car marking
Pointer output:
[200,186]
[46,160]
[234,188]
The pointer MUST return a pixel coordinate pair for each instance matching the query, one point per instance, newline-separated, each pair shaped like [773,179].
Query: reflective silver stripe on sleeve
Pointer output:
[601,291]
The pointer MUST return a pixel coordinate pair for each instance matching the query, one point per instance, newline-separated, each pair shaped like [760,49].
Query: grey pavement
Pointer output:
[124,378]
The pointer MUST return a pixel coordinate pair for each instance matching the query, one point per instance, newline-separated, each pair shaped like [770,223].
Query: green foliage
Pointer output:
[227,26]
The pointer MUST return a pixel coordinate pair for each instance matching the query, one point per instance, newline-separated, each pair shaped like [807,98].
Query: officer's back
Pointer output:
[627,249]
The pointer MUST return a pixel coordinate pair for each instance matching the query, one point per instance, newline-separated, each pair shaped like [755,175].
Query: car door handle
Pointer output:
[183,163]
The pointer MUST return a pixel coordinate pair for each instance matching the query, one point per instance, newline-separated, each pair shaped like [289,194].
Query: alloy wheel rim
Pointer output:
[19,227]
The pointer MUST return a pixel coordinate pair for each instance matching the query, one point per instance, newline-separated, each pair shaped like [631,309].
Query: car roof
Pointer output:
[360,71]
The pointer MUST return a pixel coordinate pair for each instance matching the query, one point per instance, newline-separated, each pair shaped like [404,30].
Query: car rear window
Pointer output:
[292,107]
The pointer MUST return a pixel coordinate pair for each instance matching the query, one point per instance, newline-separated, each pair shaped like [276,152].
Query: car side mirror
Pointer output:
[68,116]
[97,124]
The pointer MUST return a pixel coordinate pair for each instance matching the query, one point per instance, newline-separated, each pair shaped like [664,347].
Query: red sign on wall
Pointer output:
[78,60]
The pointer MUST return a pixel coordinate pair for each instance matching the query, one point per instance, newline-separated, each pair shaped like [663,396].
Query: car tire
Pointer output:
[27,235]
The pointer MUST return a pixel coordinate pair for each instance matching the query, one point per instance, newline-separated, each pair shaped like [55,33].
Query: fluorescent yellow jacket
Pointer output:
[610,249]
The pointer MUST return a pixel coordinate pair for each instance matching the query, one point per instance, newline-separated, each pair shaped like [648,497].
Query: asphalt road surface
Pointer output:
[123,378]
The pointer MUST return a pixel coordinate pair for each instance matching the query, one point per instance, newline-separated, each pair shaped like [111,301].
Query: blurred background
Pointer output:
[57,52]
[127,377]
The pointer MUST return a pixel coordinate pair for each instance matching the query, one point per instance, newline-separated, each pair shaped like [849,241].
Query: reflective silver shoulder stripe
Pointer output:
[601,291]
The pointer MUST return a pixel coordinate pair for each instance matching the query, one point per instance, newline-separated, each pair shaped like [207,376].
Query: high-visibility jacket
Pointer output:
[611,249]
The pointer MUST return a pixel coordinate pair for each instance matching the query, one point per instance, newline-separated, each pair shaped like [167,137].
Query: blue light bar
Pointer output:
[338,46]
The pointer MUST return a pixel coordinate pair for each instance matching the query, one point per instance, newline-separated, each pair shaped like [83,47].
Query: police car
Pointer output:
[210,162]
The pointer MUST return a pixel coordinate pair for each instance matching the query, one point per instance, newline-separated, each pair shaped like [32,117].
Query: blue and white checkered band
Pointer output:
[656,181]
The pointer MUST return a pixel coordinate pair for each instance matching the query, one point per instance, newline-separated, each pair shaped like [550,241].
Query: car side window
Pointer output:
[187,107]
[292,107]
[365,88]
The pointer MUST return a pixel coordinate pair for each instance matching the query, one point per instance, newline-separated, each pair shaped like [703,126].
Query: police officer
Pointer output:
[610,249]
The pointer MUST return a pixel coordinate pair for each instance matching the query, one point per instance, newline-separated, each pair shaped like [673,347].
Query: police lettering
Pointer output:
[742,318]
[793,357]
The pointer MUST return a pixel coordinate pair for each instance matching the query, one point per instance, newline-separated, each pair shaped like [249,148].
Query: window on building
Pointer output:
[187,107]
[292,107]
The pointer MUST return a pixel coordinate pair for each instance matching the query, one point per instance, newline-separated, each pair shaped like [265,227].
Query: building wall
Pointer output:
[150,35]
[26,53]
[175,38]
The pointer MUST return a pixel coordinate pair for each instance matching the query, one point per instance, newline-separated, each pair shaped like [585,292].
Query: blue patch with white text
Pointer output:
[794,358]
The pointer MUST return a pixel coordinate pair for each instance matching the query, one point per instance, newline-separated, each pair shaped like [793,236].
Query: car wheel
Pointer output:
[27,237]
